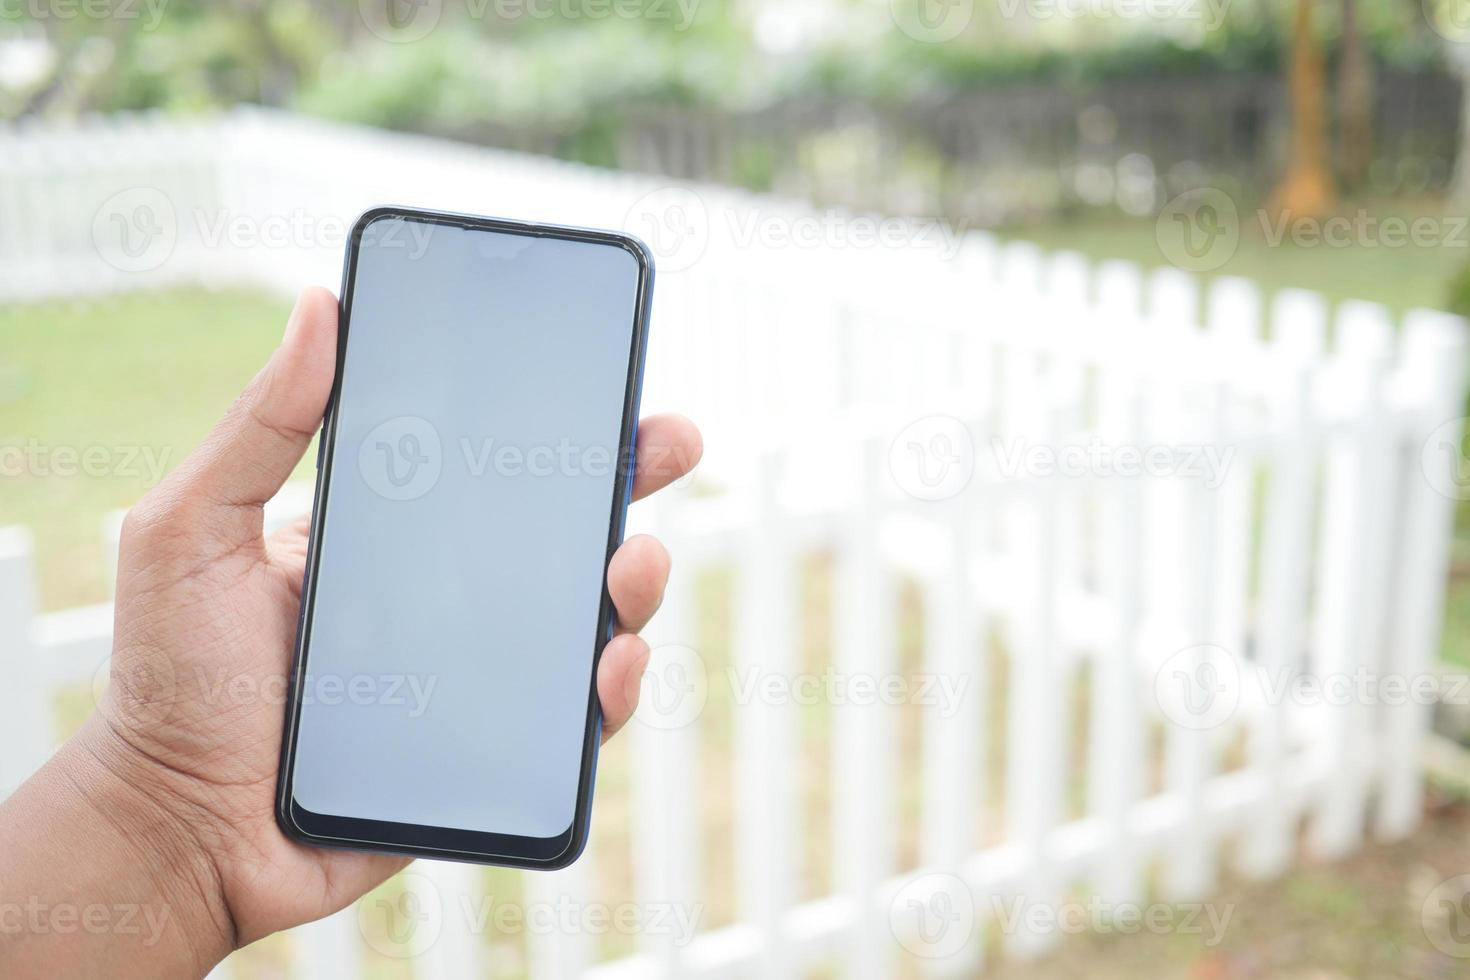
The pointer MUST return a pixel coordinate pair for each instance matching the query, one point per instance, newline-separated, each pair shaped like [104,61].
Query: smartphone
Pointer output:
[474,471]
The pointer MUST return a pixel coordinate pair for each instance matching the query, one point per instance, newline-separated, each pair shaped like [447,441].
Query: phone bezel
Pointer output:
[446,843]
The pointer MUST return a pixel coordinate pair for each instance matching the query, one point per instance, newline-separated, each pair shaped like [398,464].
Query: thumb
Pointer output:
[254,448]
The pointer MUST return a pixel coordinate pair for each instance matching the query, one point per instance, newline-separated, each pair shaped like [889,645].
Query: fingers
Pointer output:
[668,447]
[619,675]
[254,448]
[636,577]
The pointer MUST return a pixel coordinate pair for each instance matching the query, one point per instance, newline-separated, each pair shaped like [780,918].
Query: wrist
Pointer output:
[107,866]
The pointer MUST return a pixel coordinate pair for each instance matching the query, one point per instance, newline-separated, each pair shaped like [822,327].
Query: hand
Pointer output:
[179,764]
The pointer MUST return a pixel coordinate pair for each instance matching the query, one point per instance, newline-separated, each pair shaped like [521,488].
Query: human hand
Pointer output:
[180,762]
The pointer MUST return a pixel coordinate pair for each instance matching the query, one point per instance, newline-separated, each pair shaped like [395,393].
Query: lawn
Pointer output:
[103,395]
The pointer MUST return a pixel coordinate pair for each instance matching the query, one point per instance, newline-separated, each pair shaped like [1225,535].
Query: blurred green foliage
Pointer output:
[539,60]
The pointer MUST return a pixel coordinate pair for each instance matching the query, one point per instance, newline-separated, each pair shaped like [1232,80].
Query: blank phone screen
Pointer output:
[465,529]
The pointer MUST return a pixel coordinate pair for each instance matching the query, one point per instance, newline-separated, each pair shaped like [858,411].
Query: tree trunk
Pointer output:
[1355,100]
[1307,190]
[1459,61]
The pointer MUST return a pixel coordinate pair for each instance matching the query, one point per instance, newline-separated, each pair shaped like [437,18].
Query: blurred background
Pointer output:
[1083,383]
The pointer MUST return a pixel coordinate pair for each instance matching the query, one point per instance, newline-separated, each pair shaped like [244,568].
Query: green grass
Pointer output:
[135,382]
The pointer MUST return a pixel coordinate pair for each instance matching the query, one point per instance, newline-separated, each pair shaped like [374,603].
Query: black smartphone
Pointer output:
[474,473]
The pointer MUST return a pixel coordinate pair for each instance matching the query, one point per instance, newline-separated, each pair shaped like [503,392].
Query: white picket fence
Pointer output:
[885,411]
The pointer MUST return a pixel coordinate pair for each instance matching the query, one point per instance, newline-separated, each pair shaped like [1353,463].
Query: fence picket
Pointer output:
[862,733]
[25,720]
[666,768]
[1352,570]
[765,635]
[1434,354]
[954,736]
[1298,338]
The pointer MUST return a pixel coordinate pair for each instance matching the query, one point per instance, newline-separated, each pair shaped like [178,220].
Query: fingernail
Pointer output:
[633,686]
[293,320]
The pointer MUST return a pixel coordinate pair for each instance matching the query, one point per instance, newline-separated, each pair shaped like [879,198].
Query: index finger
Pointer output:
[668,447]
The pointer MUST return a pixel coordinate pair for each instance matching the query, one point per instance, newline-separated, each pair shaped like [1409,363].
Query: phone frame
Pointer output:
[445,843]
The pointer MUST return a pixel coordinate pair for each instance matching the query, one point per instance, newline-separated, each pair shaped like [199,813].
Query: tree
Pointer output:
[1354,100]
[1307,189]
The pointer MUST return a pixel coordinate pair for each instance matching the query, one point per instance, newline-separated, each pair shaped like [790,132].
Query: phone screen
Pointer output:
[465,527]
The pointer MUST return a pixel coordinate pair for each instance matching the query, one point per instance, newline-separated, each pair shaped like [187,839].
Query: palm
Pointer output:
[214,717]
